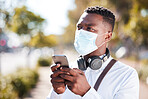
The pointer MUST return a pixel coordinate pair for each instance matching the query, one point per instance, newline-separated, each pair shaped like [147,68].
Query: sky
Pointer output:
[54,11]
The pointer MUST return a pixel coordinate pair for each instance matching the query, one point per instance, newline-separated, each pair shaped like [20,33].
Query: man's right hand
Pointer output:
[58,83]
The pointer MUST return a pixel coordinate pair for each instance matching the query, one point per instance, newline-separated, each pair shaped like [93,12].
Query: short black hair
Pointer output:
[108,16]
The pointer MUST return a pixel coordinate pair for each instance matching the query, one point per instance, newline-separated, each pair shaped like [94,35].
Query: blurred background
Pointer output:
[31,31]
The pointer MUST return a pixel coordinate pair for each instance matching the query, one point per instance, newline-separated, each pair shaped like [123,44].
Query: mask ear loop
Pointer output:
[102,44]
[104,41]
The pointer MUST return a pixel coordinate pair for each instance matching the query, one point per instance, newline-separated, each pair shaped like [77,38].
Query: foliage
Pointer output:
[17,84]
[143,73]
[6,88]
[143,4]
[40,40]
[27,23]
[141,31]
[144,62]
[45,61]
[123,8]
[19,19]
[24,21]
[130,21]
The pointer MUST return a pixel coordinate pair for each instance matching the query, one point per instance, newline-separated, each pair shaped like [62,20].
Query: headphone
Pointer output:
[94,62]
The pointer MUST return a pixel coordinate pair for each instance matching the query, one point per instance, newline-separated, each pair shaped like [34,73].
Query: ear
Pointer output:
[108,36]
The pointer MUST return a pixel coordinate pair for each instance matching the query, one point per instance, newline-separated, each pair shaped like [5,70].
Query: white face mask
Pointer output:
[85,42]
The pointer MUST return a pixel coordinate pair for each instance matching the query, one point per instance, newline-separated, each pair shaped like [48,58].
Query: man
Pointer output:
[94,31]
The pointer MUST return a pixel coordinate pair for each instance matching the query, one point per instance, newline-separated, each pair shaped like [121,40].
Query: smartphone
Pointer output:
[60,59]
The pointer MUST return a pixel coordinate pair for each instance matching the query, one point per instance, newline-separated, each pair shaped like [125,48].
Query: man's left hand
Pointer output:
[76,81]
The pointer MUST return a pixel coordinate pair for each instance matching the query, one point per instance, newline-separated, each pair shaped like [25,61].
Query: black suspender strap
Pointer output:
[100,78]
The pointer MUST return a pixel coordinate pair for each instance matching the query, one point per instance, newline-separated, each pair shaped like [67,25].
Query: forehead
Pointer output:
[90,18]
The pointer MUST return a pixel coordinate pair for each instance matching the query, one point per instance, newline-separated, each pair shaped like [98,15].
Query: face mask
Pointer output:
[85,42]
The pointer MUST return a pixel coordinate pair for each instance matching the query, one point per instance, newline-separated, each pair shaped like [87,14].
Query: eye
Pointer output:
[90,29]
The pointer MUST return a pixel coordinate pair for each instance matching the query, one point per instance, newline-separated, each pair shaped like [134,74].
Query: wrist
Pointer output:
[88,88]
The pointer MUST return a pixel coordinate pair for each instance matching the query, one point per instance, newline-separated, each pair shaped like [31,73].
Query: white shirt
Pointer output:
[121,82]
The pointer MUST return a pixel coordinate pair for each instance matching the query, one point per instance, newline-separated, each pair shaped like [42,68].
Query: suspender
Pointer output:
[100,78]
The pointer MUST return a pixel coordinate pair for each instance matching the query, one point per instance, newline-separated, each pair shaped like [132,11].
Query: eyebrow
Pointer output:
[90,24]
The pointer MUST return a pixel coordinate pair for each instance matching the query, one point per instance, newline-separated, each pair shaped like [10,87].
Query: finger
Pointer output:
[68,77]
[70,71]
[57,79]
[58,84]
[79,71]
[54,67]
[68,83]
[57,73]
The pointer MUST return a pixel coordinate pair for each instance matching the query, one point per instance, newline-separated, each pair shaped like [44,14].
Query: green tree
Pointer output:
[24,22]
[40,40]
[132,23]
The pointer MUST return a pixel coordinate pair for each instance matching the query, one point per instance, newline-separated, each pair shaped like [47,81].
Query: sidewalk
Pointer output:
[43,86]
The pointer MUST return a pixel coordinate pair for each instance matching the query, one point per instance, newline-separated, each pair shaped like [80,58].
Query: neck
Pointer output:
[100,51]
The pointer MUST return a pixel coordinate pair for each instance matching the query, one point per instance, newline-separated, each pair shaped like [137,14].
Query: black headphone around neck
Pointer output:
[94,62]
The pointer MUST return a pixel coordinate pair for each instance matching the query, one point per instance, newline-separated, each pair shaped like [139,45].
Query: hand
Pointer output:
[76,81]
[58,83]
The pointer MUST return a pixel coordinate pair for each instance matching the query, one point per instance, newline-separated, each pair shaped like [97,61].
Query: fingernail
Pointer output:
[68,73]
[61,68]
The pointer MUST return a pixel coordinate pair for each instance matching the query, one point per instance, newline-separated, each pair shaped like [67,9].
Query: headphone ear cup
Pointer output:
[96,64]
[81,64]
